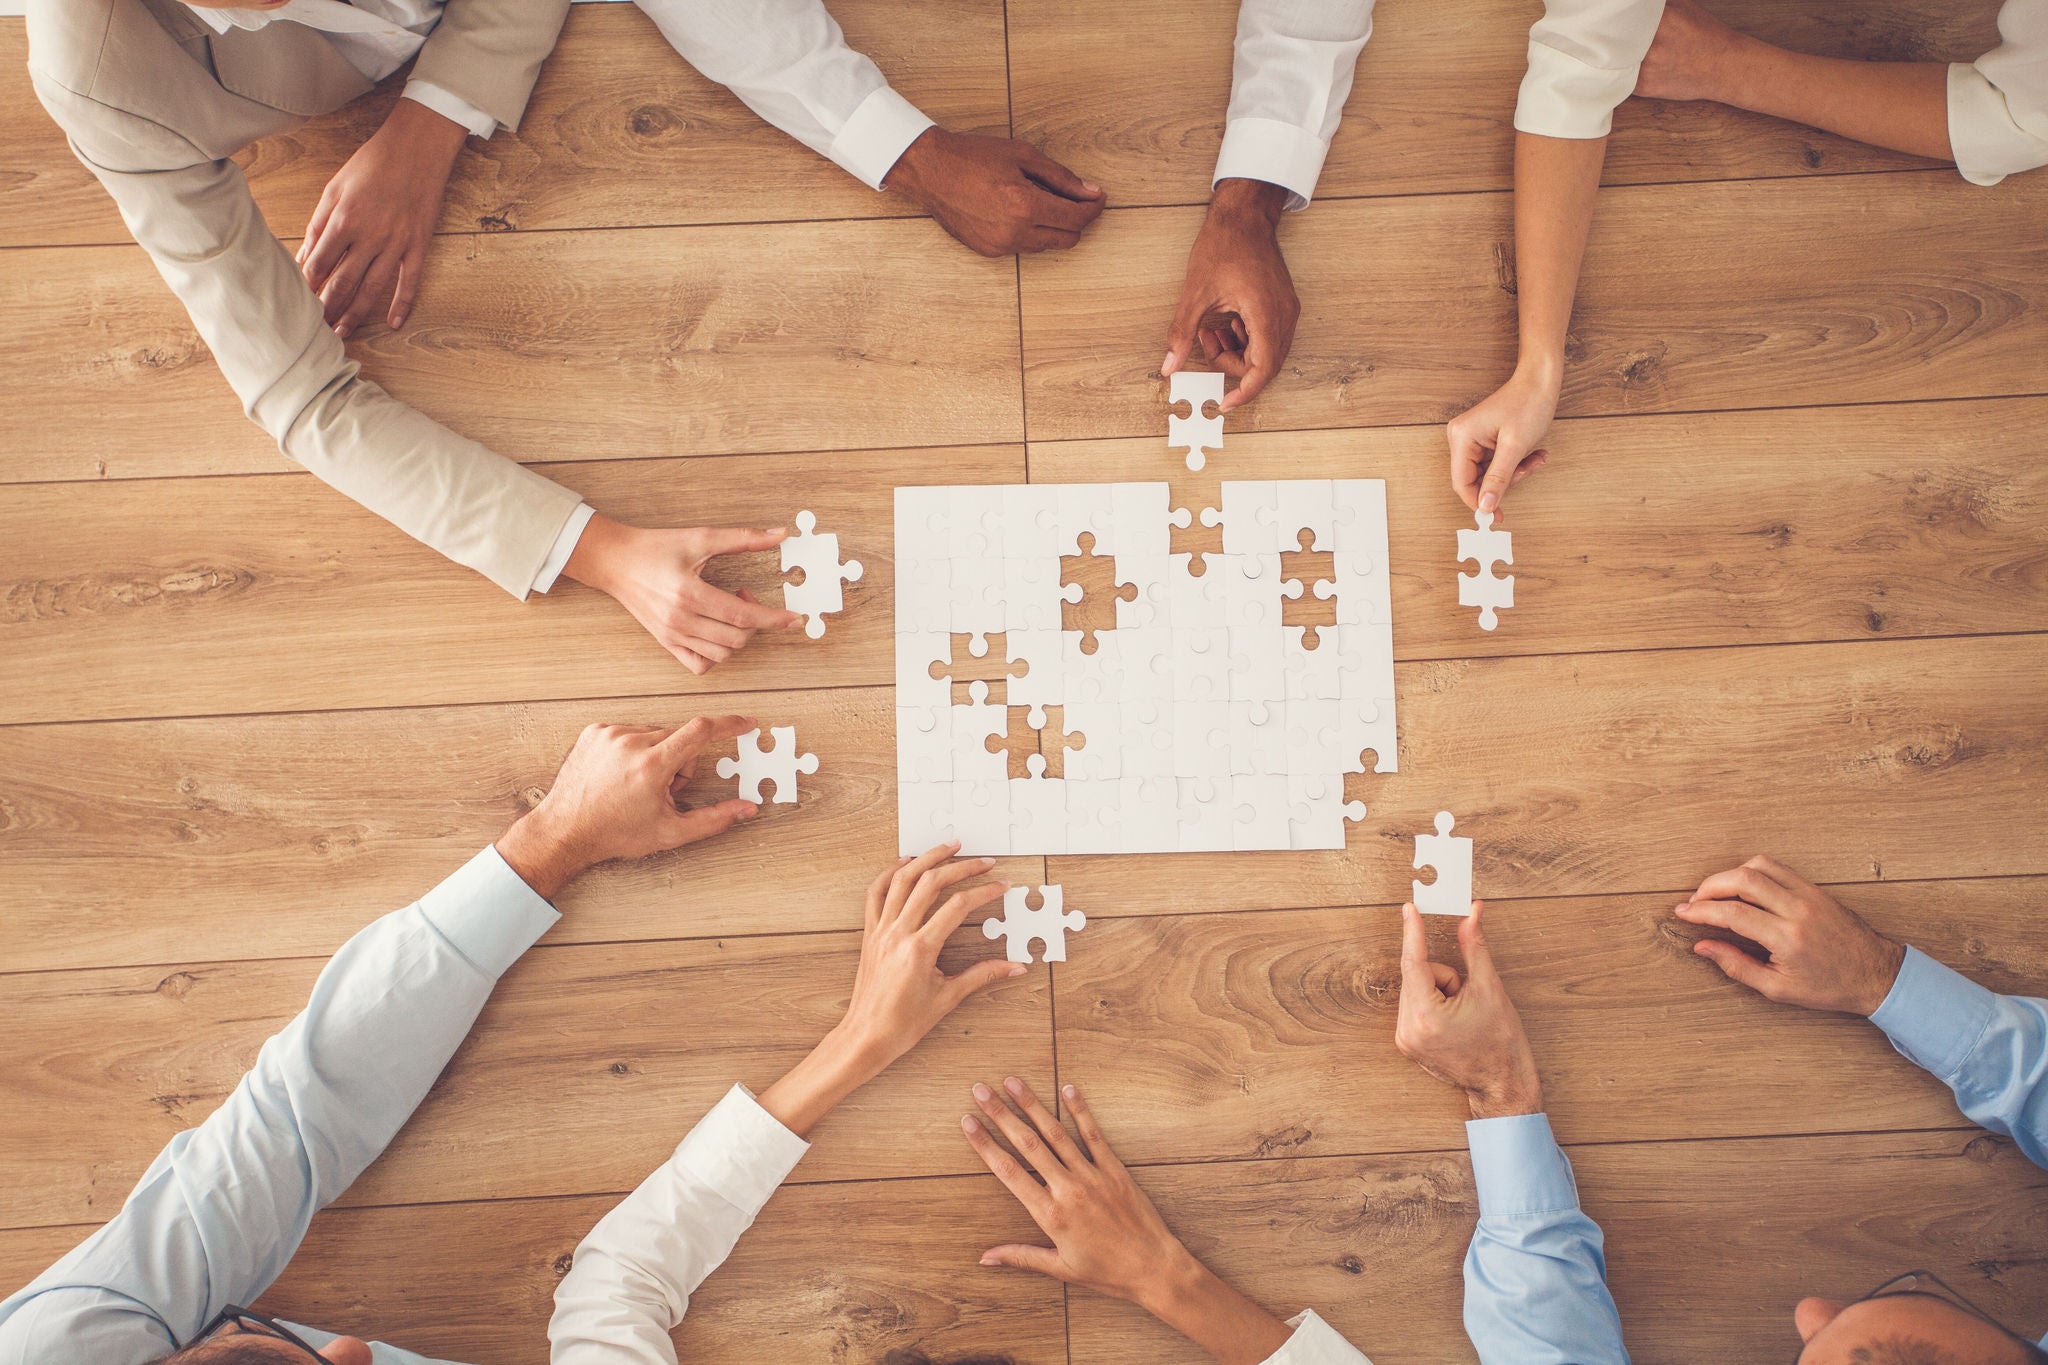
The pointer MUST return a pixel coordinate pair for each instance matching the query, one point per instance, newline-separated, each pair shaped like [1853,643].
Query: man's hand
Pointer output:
[996,195]
[1494,444]
[1106,1234]
[1237,301]
[369,234]
[615,797]
[658,575]
[899,993]
[1687,58]
[1822,955]
[1467,1032]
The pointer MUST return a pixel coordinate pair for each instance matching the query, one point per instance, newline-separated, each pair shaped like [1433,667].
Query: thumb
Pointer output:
[1044,1260]
[691,825]
[733,540]
[1736,965]
[1056,177]
[1478,957]
[1508,454]
[981,976]
[681,746]
[1415,966]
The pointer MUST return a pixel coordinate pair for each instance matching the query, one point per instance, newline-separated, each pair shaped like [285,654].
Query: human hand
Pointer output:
[899,993]
[996,195]
[1107,1236]
[1235,268]
[1465,1032]
[1687,57]
[1494,443]
[615,797]
[369,233]
[1822,955]
[658,576]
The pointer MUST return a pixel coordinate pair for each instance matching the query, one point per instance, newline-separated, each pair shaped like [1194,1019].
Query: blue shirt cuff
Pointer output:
[1934,1016]
[1518,1167]
[488,912]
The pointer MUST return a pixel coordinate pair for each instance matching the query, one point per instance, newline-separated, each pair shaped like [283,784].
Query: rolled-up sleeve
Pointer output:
[1998,104]
[1583,59]
[1291,74]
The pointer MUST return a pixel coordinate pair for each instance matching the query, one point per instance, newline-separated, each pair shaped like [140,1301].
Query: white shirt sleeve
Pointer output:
[451,106]
[1290,76]
[1315,1342]
[789,62]
[1583,59]
[632,1277]
[1998,104]
[565,545]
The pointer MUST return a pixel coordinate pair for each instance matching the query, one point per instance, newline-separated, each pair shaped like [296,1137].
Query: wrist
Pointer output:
[543,855]
[908,176]
[1540,368]
[600,551]
[429,133]
[1892,958]
[1248,203]
[813,1088]
[1518,1095]
[1177,1288]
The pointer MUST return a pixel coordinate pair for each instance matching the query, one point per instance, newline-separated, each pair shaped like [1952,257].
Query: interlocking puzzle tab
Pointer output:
[1451,856]
[983,659]
[1195,433]
[1049,924]
[1486,590]
[779,765]
[818,594]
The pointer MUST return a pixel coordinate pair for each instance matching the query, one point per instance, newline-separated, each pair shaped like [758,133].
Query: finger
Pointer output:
[980,977]
[1267,342]
[1738,917]
[703,822]
[907,874]
[688,658]
[1060,180]
[957,908]
[1005,1168]
[1069,216]
[1187,321]
[323,249]
[878,890]
[342,285]
[738,540]
[1507,458]
[715,632]
[1746,883]
[734,610]
[315,225]
[1736,965]
[924,897]
[1467,458]
[1043,1119]
[1765,865]
[1099,1150]
[1446,977]
[1415,964]
[716,653]
[1044,1260]
[1530,466]
[1024,1140]
[377,284]
[1478,957]
[682,744]
[1049,239]
[408,287]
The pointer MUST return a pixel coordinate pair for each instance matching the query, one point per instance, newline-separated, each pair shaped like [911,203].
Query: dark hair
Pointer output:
[912,1356]
[230,1350]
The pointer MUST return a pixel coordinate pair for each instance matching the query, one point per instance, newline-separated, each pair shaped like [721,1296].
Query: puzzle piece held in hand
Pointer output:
[779,765]
[1451,856]
[1486,590]
[1195,433]
[818,556]
[1049,924]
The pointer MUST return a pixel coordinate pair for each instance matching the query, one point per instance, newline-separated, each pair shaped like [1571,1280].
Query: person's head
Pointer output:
[237,4]
[1912,1320]
[239,1337]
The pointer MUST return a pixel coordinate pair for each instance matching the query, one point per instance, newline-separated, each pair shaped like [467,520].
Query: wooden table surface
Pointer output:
[1783,588]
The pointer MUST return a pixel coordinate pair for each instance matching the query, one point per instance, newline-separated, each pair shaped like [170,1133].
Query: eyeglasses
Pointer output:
[255,1324]
[1928,1285]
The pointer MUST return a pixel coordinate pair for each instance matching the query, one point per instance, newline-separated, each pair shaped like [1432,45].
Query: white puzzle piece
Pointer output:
[1207,814]
[1261,818]
[981,815]
[1451,856]
[817,555]
[1195,433]
[778,765]
[1048,925]
[924,744]
[1486,590]
[1038,808]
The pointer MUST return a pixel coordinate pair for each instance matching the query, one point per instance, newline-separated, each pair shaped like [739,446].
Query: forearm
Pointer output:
[1900,105]
[1190,1298]
[1291,74]
[1557,182]
[839,1065]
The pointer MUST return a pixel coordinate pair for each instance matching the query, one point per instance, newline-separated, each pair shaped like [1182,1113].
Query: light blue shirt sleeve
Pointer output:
[1990,1049]
[220,1211]
[1535,1277]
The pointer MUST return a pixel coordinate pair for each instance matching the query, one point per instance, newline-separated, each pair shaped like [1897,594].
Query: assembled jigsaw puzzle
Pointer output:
[1067,683]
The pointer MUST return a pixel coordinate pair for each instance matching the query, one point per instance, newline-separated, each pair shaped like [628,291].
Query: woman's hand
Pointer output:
[1494,443]
[1106,1234]
[658,575]
[899,993]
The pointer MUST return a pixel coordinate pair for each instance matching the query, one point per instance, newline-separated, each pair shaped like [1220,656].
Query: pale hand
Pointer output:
[1237,300]
[1465,1031]
[1822,955]
[615,797]
[658,576]
[1494,444]
[996,195]
[899,993]
[369,234]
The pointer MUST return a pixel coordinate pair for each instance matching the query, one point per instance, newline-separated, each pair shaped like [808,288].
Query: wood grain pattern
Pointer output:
[1407,305]
[1646,772]
[194,595]
[609,1052]
[1271,1033]
[277,836]
[552,346]
[1432,106]
[620,132]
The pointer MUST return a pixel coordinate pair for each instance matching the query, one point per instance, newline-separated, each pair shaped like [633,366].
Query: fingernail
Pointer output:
[752,810]
[1069,1091]
[988,1260]
[968,1125]
[1018,969]
[1164,363]
[1091,187]
[952,843]
[1013,1085]
[342,331]
[1488,501]
[1681,907]
[982,1092]
[988,862]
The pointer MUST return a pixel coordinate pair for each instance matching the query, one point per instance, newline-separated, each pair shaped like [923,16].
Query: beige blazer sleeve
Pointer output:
[196,219]
[489,52]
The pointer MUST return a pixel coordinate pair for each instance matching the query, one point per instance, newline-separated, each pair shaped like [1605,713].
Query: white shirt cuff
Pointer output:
[741,1151]
[451,106]
[1986,139]
[565,545]
[1275,152]
[875,138]
[1315,1342]
[1562,96]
